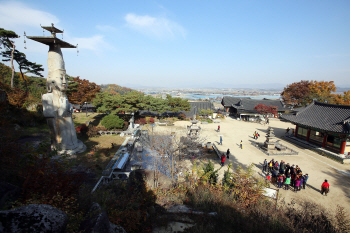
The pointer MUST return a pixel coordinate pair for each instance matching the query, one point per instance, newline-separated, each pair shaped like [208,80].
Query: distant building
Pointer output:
[323,124]
[244,108]
[89,107]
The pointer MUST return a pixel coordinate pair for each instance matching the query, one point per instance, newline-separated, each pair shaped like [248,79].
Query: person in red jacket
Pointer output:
[325,187]
[222,159]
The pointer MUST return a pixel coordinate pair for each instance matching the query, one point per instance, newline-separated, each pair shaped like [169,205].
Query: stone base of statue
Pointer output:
[80,148]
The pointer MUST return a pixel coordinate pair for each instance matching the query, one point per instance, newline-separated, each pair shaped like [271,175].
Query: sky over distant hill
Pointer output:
[175,43]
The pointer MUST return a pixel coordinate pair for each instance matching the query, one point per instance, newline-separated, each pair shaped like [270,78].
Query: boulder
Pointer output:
[96,221]
[33,218]
[8,193]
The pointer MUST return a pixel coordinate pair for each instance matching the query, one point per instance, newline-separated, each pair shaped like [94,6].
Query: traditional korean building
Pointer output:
[323,124]
[244,108]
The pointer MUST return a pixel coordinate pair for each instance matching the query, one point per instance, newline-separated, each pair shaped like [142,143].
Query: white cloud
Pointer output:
[94,43]
[16,16]
[152,26]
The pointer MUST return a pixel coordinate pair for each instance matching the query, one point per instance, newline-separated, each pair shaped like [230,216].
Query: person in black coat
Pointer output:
[228,153]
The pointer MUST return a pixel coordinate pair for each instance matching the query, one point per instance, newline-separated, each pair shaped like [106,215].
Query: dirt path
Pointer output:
[317,166]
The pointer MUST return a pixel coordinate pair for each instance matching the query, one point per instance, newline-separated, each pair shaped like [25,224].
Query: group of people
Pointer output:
[284,174]
[256,135]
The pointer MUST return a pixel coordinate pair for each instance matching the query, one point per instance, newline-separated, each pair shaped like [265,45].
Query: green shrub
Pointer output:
[112,122]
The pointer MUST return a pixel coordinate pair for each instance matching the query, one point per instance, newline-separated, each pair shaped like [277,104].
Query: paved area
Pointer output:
[317,166]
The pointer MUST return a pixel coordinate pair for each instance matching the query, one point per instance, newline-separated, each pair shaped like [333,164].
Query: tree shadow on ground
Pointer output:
[342,181]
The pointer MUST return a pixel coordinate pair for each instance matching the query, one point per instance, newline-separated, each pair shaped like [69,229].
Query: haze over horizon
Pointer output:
[195,44]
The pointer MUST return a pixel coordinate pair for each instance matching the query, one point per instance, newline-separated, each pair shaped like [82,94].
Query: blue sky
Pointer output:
[184,43]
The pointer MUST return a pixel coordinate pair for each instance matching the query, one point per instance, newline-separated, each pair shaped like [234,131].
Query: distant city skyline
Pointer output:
[195,44]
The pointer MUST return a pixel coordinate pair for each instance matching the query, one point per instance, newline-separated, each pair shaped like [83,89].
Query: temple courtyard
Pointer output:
[317,166]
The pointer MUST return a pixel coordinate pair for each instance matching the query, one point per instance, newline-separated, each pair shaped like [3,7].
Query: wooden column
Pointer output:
[296,131]
[324,141]
[308,135]
[342,147]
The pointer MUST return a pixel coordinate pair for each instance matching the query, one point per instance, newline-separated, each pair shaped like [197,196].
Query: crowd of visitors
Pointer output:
[285,175]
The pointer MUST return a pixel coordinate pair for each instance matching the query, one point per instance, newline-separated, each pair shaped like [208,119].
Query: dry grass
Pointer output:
[80,118]
[99,151]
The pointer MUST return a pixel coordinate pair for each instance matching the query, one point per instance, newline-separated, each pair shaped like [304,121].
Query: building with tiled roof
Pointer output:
[244,108]
[324,124]
[197,106]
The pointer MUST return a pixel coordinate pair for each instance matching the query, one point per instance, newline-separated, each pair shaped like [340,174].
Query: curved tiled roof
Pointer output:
[322,116]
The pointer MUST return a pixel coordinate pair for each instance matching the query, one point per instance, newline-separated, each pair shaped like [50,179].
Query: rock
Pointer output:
[147,176]
[33,218]
[96,221]
[8,193]
[17,127]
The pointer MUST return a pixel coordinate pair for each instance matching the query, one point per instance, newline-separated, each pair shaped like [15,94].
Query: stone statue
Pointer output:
[132,121]
[56,108]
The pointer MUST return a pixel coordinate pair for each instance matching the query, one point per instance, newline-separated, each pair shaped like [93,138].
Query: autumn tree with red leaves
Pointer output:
[265,110]
[296,93]
[81,90]
[304,92]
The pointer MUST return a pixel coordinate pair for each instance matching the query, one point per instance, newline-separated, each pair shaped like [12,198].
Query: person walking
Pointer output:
[222,159]
[254,134]
[264,165]
[241,144]
[325,187]
[221,140]
[267,121]
[218,128]
[228,153]
[306,177]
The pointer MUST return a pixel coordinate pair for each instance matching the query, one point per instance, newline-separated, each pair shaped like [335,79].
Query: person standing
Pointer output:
[241,144]
[221,140]
[267,121]
[306,177]
[218,128]
[296,185]
[301,182]
[228,153]
[280,181]
[264,165]
[325,187]
[287,183]
[282,167]
[222,159]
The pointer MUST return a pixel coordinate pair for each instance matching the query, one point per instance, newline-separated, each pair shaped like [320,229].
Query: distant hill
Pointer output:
[115,89]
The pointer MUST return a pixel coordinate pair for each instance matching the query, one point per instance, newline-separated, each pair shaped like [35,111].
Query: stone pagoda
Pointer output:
[271,140]
[56,108]
[193,130]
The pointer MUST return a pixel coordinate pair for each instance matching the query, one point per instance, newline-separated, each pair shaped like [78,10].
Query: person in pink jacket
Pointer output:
[296,185]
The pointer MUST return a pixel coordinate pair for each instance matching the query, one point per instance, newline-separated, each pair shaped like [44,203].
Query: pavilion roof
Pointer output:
[247,104]
[322,116]
[48,40]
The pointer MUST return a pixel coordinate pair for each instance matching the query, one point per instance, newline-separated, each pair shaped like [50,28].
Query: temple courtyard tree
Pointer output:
[265,110]
[296,93]
[304,92]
